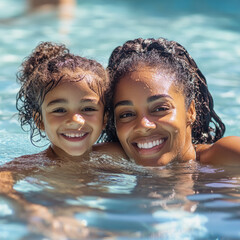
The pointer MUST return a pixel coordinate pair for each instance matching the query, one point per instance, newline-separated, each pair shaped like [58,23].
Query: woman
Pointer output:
[160,108]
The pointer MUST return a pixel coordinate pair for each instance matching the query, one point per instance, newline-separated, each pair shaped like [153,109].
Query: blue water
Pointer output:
[177,202]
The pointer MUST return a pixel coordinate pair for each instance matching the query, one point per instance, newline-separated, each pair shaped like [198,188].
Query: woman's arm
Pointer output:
[224,152]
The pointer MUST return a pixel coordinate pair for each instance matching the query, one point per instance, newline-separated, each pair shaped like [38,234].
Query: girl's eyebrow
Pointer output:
[89,100]
[62,100]
[55,101]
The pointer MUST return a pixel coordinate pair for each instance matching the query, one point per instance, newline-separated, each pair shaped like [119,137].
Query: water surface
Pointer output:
[125,201]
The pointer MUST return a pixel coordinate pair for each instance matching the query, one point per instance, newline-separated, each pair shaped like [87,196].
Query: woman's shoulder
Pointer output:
[226,151]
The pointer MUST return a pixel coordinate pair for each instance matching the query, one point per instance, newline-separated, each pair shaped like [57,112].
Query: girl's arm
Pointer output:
[39,217]
[6,183]
[111,148]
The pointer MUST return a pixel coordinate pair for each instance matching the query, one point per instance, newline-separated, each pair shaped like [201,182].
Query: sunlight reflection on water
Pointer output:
[179,202]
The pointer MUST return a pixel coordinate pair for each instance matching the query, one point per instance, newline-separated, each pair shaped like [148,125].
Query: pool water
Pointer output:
[180,201]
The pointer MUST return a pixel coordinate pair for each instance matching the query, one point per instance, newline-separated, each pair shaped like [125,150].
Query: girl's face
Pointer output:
[72,117]
[152,122]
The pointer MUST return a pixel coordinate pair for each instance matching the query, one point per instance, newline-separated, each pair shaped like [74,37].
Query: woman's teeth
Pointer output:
[148,145]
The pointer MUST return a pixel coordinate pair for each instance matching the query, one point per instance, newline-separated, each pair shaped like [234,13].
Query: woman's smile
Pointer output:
[148,148]
[151,122]
[150,144]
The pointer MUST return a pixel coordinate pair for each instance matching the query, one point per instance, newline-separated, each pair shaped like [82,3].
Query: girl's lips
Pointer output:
[149,146]
[74,137]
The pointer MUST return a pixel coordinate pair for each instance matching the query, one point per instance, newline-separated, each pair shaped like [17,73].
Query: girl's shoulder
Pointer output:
[226,151]
[112,148]
[26,162]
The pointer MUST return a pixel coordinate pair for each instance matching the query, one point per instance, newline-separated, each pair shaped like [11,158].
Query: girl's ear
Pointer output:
[38,121]
[191,113]
[41,126]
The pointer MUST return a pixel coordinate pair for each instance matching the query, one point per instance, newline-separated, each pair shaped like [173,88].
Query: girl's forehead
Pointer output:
[78,74]
[82,80]
[71,91]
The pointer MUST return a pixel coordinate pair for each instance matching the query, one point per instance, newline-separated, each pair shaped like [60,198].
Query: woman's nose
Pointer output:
[145,123]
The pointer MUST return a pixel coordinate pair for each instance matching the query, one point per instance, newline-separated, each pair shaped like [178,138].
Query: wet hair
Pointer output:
[41,72]
[171,58]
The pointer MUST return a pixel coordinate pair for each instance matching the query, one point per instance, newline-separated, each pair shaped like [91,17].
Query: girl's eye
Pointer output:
[89,109]
[59,110]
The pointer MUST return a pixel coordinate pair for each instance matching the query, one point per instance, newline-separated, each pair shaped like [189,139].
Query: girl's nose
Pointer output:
[76,119]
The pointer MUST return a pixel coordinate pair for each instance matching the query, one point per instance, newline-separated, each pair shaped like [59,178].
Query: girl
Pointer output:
[61,98]
[160,108]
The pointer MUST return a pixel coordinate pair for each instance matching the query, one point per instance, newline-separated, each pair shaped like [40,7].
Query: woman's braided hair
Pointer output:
[41,72]
[172,57]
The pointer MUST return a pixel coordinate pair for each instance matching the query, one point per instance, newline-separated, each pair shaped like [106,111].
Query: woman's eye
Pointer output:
[126,115]
[161,109]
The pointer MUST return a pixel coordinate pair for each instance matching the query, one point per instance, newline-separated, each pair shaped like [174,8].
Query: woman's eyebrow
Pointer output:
[123,103]
[156,97]
[150,99]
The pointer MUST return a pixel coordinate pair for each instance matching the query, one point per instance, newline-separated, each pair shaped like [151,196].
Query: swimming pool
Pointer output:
[182,201]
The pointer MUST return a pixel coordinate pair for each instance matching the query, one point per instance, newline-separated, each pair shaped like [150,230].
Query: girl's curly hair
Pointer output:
[173,58]
[41,72]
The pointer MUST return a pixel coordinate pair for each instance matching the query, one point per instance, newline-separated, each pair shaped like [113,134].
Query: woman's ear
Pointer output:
[191,113]
[38,121]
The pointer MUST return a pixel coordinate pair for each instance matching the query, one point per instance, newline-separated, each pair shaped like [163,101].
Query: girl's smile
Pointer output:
[72,117]
[74,137]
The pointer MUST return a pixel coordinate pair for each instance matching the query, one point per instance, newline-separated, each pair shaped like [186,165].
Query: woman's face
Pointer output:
[152,122]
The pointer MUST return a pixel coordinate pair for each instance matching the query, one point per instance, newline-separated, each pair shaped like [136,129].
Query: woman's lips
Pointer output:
[149,146]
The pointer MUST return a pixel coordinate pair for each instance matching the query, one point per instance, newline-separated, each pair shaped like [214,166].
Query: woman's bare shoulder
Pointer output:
[226,151]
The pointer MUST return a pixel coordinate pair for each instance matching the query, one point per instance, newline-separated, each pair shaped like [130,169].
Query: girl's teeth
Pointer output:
[72,135]
[150,144]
